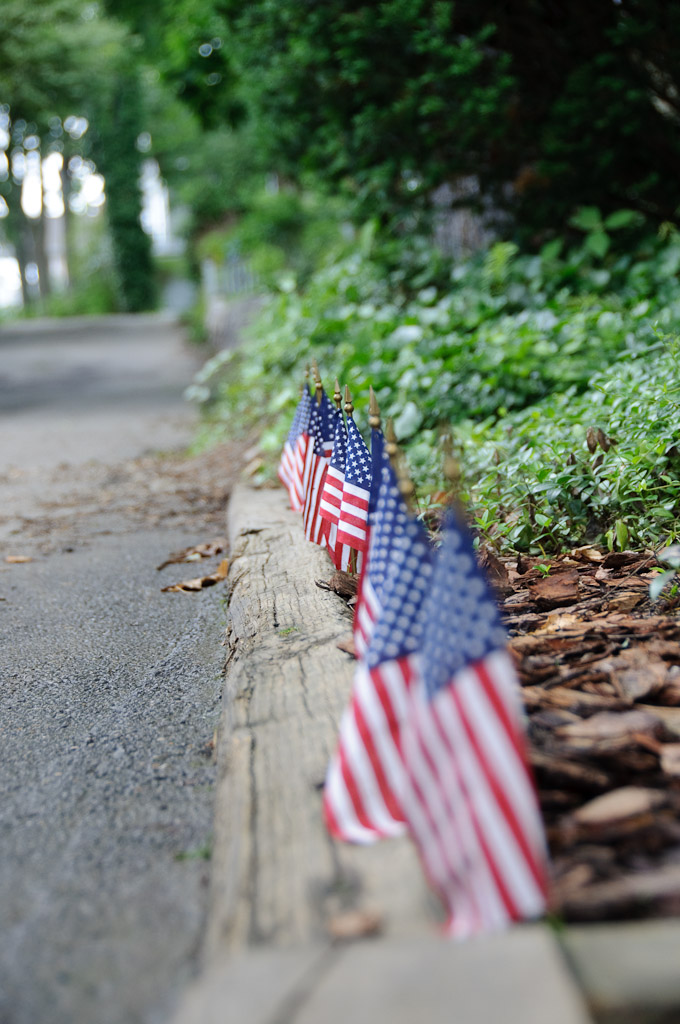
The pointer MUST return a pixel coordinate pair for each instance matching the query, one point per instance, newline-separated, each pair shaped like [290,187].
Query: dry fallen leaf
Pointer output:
[587,554]
[558,621]
[346,644]
[625,602]
[605,725]
[355,924]
[618,806]
[555,590]
[635,673]
[196,553]
[200,582]
[16,559]
[612,898]
[344,584]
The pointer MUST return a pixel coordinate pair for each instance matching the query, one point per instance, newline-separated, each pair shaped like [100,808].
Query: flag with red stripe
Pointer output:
[366,778]
[388,516]
[353,517]
[296,488]
[316,462]
[470,801]
[331,495]
[286,470]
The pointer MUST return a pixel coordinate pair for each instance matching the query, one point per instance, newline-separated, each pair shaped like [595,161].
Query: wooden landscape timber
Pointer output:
[278,879]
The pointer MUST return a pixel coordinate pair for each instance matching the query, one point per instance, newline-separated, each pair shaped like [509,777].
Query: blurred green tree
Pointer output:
[548,106]
[59,58]
[118,121]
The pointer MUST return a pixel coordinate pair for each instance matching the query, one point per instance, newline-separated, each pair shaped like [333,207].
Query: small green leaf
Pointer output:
[597,243]
[622,219]
[551,250]
[587,218]
[621,534]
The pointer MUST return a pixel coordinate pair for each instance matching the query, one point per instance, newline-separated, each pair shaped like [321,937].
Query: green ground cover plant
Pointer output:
[555,372]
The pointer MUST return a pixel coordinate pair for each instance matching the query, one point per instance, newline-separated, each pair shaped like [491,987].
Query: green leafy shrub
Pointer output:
[520,353]
[601,466]
[285,234]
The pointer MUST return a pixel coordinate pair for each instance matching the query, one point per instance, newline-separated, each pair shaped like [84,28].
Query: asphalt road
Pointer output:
[109,689]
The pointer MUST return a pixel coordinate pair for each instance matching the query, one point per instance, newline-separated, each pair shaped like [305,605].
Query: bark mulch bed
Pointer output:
[600,671]
[599,665]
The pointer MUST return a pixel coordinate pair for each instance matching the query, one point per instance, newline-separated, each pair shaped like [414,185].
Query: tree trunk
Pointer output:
[37,229]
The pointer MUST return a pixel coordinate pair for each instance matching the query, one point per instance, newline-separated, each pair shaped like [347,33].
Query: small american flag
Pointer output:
[286,469]
[470,801]
[362,795]
[388,517]
[299,446]
[317,458]
[331,495]
[353,519]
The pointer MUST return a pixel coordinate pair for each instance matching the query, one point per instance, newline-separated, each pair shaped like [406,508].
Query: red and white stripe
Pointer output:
[287,476]
[329,510]
[331,497]
[285,470]
[297,483]
[353,521]
[367,610]
[342,555]
[366,776]
[315,472]
[470,801]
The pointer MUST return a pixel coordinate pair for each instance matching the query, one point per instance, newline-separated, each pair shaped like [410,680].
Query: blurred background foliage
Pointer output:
[332,149]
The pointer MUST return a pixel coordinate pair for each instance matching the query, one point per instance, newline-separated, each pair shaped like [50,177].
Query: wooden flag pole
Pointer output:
[337,395]
[317,381]
[349,408]
[373,411]
[451,463]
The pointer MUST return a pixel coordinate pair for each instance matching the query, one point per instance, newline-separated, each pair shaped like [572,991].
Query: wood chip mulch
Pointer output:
[600,671]
[599,666]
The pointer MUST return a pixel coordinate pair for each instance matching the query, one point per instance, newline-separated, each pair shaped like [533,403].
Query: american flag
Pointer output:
[388,518]
[316,461]
[362,795]
[331,495]
[296,486]
[353,519]
[470,801]
[286,469]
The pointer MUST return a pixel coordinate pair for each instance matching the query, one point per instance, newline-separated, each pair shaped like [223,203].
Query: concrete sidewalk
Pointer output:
[281,888]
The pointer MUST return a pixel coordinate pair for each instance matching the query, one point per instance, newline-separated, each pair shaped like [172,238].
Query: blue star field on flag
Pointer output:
[390,519]
[320,425]
[377,456]
[338,458]
[358,464]
[301,416]
[301,421]
[399,630]
[463,621]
